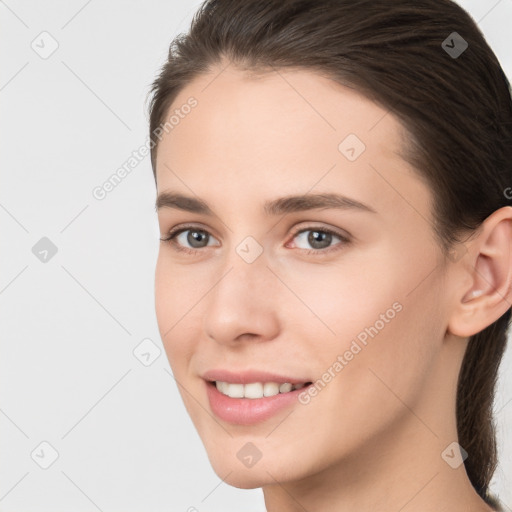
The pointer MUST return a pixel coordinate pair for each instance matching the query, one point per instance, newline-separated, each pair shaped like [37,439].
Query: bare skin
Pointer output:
[372,439]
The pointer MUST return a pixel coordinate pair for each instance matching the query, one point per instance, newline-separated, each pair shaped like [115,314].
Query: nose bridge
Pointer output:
[245,275]
[241,300]
[244,269]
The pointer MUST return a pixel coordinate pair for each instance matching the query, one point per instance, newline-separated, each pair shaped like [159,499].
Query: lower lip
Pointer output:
[248,411]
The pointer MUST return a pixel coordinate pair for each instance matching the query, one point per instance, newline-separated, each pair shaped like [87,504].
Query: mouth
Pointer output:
[250,403]
[256,390]
[250,396]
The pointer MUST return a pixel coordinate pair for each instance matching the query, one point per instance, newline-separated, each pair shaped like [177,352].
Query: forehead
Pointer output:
[285,129]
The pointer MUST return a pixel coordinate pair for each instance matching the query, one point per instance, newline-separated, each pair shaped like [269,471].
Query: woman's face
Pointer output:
[342,293]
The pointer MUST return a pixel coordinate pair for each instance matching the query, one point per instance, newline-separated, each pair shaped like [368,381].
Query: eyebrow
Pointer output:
[280,206]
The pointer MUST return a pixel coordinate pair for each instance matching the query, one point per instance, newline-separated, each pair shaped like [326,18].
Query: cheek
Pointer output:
[176,292]
[385,305]
[376,388]
[388,334]
[165,297]
[172,302]
[390,361]
[344,302]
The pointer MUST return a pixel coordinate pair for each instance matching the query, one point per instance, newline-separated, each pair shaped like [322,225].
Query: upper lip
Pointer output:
[248,376]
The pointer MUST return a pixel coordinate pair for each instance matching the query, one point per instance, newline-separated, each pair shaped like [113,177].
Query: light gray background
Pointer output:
[69,326]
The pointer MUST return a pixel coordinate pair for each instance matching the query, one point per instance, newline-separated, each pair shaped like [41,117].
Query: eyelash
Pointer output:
[318,252]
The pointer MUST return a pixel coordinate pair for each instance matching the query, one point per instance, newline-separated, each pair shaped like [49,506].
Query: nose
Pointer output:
[243,303]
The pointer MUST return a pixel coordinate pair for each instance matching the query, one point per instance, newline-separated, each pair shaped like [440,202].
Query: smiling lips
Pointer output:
[249,397]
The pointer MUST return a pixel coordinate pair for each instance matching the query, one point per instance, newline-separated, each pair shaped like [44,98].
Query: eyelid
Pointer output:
[309,227]
[345,238]
[184,227]
[177,230]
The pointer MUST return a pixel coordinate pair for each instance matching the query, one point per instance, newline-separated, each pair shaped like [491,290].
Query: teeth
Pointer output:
[255,389]
[235,390]
[270,389]
[284,388]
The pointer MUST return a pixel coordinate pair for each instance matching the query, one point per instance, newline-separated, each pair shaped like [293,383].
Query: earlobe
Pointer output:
[490,294]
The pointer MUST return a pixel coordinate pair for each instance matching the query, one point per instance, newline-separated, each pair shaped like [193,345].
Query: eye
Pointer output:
[319,239]
[197,239]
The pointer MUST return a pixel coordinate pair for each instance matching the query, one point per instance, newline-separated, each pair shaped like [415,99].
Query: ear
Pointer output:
[487,266]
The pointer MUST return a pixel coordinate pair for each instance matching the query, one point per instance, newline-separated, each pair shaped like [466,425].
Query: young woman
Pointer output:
[334,279]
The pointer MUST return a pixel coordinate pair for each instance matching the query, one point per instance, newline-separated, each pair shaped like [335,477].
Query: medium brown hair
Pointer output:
[457,111]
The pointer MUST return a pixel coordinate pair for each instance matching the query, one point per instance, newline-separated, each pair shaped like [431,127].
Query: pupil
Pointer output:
[321,237]
[195,237]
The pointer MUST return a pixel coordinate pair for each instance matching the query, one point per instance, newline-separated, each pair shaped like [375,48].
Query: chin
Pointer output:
[263,472]
[252,478]
[245,481]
